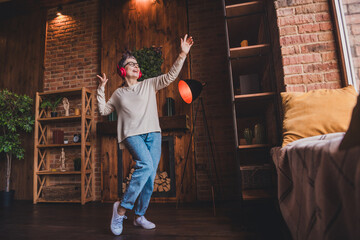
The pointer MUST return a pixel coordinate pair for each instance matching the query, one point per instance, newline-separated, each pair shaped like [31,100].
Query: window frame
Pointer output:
[344,51]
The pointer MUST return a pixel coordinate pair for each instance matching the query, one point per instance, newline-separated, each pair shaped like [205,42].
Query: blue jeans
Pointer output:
[146,152]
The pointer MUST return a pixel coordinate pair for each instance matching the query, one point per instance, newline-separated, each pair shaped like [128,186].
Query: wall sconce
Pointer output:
[59,10]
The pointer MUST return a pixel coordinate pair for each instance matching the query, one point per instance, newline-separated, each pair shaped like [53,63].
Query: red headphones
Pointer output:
[122,72]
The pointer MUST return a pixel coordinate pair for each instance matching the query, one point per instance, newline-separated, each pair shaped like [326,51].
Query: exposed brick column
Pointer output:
[72,46]
[209,65]
[307,45]
[72,60]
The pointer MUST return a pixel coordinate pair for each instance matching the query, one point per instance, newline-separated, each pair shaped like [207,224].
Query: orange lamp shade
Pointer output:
[189,89]
[185,91]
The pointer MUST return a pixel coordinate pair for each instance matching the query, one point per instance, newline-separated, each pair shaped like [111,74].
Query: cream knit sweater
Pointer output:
[136,105]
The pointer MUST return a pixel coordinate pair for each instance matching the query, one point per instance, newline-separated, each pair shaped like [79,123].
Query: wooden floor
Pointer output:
[23,220]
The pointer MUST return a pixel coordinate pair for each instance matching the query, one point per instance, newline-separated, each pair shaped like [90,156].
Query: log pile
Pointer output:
[161,183]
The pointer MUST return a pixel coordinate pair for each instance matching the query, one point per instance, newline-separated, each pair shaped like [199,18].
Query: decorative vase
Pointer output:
[244,43]
[112,116]
[259,133]
[77,164]
[77,111]
[54,114]
[248,135]
[170,106]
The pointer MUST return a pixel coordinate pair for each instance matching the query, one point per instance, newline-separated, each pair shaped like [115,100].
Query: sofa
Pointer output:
[318,164]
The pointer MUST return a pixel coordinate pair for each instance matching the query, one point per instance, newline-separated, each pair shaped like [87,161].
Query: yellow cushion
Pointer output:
[316,112]
[352,136]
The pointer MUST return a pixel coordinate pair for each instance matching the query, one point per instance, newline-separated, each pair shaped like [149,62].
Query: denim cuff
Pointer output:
[127,205]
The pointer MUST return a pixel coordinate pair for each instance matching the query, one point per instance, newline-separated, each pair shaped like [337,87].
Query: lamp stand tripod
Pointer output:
[209,149]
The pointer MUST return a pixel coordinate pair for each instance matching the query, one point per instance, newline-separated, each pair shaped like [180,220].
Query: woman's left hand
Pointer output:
[186,44]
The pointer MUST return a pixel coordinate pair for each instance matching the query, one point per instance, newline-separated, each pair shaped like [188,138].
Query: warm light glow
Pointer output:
[146,1]
[61,21]
[185,92]
[58,14]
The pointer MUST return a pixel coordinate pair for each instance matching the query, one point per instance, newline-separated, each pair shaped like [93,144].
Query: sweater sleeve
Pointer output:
[105,108]
[164,80]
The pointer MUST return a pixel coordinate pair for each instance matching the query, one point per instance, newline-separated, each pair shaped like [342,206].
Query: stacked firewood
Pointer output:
[162,182]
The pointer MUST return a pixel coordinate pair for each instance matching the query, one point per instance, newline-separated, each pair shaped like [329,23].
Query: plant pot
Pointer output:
[54,114]
[6,198]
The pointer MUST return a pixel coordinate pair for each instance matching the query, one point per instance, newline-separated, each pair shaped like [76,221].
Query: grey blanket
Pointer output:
[319,188]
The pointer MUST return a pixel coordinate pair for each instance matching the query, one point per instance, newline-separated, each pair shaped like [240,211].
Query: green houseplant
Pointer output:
[16,116]
[51,104]
[150,60]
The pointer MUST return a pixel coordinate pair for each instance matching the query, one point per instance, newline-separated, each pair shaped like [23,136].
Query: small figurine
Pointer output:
[66,106]
[62,160]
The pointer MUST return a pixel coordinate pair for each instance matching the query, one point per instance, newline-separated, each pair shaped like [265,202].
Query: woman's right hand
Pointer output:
[103,80]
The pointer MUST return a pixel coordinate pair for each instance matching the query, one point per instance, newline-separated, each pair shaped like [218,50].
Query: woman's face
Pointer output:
[131,67]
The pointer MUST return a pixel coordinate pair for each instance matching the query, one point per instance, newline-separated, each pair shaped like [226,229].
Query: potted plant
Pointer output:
[16,116]
[51,104]
[150,60]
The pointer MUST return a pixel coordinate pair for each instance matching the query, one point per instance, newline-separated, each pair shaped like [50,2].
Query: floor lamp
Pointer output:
[190,90]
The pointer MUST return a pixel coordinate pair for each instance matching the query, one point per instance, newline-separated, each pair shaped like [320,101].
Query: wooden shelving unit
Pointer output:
[254,96]
[62,201]
[43,125]
[243,9]
[63,145]
[76,118]
[249,51]
[256,194]
[253,87]
[61,173]
[253,146]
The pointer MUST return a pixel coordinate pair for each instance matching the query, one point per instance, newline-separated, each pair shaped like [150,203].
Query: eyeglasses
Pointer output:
[132,64]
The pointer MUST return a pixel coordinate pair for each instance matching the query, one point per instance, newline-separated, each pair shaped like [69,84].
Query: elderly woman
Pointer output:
[138,129]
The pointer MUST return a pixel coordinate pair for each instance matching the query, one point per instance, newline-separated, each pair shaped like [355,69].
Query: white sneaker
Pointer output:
[116,225]
[143,222]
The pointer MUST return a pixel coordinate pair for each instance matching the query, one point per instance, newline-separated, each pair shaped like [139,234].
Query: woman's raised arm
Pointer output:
[164,80]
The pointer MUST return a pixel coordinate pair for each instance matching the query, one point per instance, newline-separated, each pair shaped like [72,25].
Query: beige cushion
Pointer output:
[316,112]
[352,136]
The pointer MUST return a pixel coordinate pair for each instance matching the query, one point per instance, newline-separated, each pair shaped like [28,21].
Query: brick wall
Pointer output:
[72,47]
[72,59]
[352,15]
[307,45]
[208,64]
